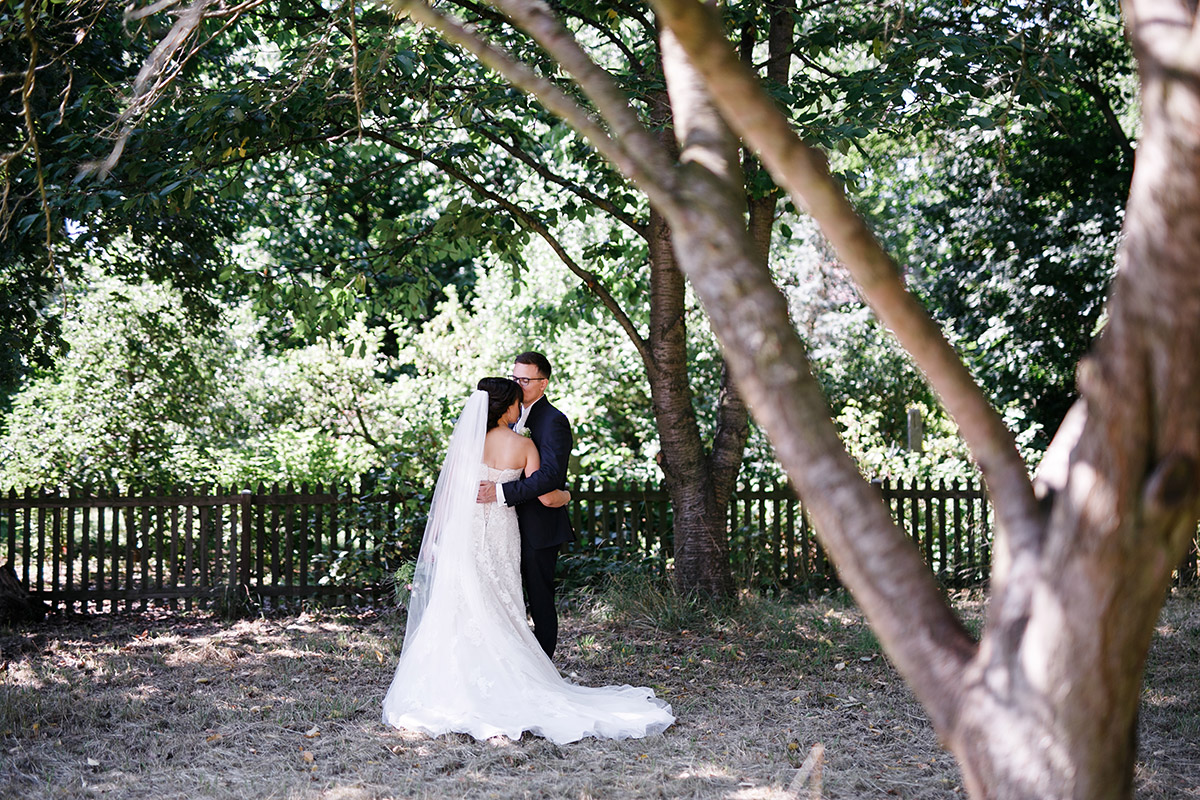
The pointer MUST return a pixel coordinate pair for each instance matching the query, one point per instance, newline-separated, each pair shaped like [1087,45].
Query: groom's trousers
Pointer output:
[537,572]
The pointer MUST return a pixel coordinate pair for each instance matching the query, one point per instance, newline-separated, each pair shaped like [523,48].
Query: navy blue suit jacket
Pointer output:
[542,526]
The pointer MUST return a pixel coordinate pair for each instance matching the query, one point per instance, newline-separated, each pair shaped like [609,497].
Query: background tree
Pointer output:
[340,196]
[55,85]
[1009,238]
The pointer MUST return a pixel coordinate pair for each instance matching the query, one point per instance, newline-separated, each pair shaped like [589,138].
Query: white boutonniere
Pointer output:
[523,431]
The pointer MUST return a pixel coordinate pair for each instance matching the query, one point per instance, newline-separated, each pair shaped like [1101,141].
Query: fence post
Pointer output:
[143,544]
[12,529]
[130,548]
[247,504]
[85,513]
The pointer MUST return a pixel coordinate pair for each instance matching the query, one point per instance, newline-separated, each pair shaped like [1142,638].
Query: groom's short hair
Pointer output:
[535,359]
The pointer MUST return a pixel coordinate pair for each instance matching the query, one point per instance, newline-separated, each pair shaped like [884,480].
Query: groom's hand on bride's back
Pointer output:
[487,492]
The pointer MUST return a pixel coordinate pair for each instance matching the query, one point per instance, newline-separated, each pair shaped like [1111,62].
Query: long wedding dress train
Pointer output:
[473,666]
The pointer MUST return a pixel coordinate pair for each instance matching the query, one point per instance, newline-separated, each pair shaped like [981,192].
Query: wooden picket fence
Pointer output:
[208,547]
[277,547]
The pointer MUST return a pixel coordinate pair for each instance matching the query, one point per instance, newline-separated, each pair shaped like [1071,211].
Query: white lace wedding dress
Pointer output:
[473,665]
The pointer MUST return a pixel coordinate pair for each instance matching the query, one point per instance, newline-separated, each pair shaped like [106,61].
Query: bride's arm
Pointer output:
[552,499]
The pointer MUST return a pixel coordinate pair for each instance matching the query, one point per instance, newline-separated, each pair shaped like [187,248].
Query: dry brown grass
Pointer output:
[193,707]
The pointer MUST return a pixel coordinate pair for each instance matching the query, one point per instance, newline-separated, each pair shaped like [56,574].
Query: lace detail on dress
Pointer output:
[498,550]
[474,666]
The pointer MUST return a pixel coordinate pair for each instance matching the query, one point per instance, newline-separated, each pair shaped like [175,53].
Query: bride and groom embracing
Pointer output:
[470,663]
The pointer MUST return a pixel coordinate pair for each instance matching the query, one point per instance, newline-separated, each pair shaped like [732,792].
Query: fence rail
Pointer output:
[86,551]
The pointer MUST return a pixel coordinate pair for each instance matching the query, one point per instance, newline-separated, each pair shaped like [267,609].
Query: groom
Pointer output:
[543,529]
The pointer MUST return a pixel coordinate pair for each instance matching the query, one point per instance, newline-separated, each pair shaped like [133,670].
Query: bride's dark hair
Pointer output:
[502,393]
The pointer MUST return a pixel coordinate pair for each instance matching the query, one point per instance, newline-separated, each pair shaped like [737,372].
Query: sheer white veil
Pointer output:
[446,546]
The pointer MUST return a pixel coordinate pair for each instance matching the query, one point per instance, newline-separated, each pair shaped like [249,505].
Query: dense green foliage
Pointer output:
[353,199]
[147,396]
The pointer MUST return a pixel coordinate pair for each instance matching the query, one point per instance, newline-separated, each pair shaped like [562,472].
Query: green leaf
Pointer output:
[26,222]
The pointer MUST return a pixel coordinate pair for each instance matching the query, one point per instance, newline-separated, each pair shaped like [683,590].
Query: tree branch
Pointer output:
[484,12]
[574,188]
[749,314]
[729,439]
[535,18]
[362,425]
[804,173]
[608,33]
[356,85]
[152,80]
[553,98]
[590,279]
[1096,92]
[32,142]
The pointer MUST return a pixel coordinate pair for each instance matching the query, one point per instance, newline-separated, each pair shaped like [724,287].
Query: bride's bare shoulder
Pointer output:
[504,449]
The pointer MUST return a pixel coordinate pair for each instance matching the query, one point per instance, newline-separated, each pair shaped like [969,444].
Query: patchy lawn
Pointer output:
[189,706]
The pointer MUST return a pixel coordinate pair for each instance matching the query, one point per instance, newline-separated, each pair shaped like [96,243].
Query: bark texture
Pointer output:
[701,545]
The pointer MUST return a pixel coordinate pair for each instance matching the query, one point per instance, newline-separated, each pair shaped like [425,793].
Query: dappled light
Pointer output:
[191,704]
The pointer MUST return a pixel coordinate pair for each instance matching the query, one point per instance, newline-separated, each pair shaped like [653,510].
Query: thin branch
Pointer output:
[590,279]
[27,106]
[574,188]
[613,38]
[1096,92]
[155,69]
[800,54]
[488,13]
[484,12]
[804,173]
[535,18]
[553,98]
[134,14]
[357,85]
[362,425]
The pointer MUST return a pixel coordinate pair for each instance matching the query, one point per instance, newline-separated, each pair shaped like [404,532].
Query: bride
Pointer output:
[470,663]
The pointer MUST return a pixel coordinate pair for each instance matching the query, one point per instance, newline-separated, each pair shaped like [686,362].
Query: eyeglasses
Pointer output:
[526,381]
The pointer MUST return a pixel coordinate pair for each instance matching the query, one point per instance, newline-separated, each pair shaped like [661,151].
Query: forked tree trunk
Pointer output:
[1062,662]
[1045,706]
[691,475]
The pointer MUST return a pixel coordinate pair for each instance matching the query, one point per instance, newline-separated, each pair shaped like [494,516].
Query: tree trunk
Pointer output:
[701,540]
[1046,705]
[1121,482]
[16,605]
[700,484]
